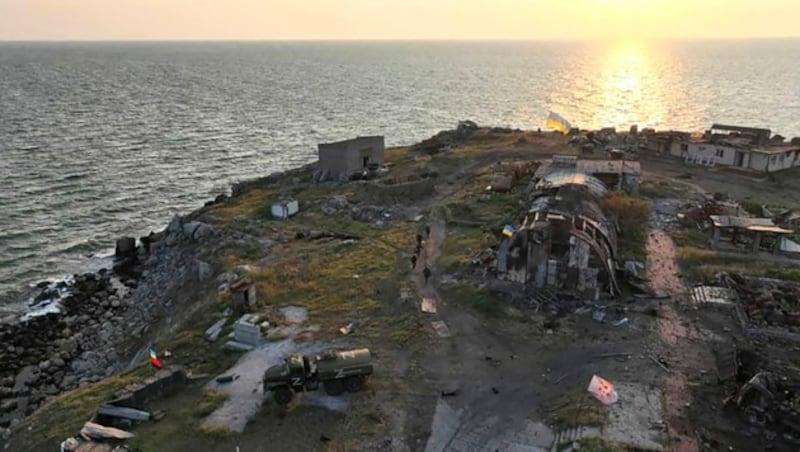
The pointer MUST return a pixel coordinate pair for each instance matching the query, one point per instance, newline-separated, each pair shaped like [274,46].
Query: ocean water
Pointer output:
[99,140]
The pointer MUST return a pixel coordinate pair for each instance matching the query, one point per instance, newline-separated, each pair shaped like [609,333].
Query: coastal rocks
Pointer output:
[24,379]
[197,231]
[43,355]
[335,204]
[203,270]
[103,318]
[125,248]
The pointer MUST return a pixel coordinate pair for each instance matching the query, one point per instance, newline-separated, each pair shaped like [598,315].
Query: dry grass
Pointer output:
[337,282]
[460,247]
[699,265]
[210,402]
[64,416]
[248,204]
[632,215]
[214,430]
[475,298]
[660,188]
[692,237]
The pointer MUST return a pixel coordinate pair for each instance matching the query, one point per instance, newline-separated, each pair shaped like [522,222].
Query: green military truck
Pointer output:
[337,370]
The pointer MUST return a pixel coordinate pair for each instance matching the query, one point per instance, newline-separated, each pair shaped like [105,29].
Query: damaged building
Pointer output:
[615,174]
[566,241]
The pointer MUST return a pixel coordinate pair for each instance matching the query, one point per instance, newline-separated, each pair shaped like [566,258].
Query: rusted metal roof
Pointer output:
[750,224]
[562,178]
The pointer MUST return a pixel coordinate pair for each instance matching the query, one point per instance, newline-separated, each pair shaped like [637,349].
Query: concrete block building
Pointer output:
[342,159]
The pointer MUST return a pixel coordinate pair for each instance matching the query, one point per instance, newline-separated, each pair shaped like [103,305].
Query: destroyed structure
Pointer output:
[757,234]
[344,159]
[566,240]
[615,174]
[748,148]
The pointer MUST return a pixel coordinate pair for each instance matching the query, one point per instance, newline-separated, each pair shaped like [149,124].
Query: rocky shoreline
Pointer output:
[98,323]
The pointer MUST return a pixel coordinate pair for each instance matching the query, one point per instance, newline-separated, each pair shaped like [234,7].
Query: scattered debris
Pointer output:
[428,305]
[621,321]
[712,294]
[91,430]
[441,328]
[347,329]
[132,414]
[561,378]
[599,315]
[603,390]
[450,392]
[770,401]
[246,331]
[226,378]
[613,355]
[660,364]
[213,332]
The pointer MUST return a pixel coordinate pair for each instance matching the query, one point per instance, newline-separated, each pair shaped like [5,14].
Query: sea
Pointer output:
[104,139]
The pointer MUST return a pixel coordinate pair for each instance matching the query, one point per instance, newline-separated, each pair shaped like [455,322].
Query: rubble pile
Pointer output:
[769,401]
[339,205]
[446,139]
[769,302]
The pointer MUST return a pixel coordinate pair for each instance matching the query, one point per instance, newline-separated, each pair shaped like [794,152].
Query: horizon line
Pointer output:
[578,39]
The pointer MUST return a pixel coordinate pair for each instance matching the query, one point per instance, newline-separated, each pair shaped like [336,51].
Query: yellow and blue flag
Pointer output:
[509,230]
[557,123]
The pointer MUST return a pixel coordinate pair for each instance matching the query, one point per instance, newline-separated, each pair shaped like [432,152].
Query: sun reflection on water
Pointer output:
[623,83]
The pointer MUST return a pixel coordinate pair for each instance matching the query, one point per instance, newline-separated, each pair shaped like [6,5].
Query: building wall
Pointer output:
[759,162]
[344,158]
[711,154]
[783,161]
[678,149]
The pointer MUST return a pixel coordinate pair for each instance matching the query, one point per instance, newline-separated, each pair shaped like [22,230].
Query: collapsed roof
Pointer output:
[566,240]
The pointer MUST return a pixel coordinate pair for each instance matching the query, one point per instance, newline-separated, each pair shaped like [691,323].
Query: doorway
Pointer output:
[739,161]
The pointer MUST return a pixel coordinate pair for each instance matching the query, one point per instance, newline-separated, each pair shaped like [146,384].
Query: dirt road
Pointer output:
[681,340]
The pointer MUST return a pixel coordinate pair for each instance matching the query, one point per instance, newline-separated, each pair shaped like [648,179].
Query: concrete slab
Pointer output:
[631,419]
[246,392]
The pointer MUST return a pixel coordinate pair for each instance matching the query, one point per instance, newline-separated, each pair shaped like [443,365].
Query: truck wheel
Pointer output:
[354,383]
[283,395]
[334,387]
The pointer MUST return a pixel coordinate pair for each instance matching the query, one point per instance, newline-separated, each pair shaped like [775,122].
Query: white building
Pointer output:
[746,148]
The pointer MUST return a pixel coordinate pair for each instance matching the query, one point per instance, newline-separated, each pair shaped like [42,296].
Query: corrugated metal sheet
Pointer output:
[789,246]
[750,224]
[608,166]
[561,178]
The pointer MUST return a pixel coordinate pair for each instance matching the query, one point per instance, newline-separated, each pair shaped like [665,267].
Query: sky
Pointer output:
[395,19]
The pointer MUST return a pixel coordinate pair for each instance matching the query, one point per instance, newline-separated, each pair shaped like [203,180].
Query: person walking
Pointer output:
[427,232]
[413,261]
[426,273]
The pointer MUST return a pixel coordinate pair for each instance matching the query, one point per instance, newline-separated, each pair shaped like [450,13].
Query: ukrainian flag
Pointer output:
[509,230]
[557,123]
